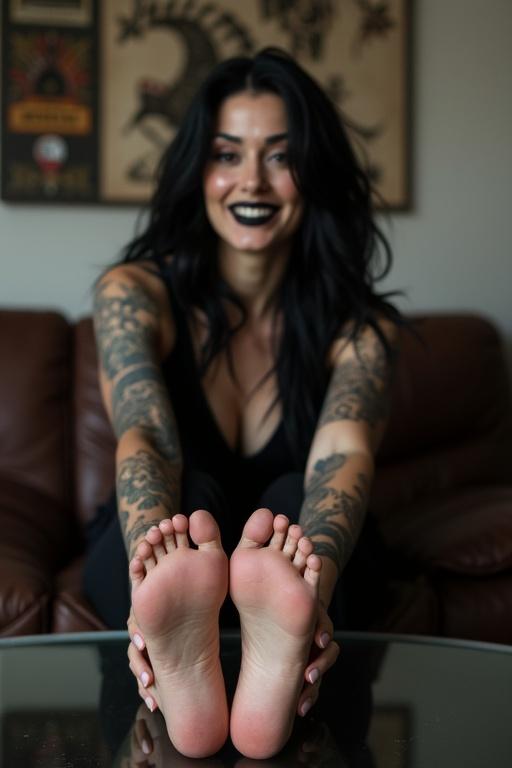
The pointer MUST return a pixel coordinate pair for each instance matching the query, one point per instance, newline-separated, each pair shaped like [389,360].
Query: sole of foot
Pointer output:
[177,592]
[274,584]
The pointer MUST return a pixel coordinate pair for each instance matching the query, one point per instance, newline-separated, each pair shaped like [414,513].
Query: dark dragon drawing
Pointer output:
[208,33]
[204,30]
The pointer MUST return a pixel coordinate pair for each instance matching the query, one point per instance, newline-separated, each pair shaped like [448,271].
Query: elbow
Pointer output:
[137,439]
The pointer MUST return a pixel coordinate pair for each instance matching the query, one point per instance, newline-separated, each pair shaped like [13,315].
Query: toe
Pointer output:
[258,529]
[292,540]
[155,538]
[180,525]
[136,571]
[167,529]
[304,549]
[278,539]
[204,531]
[145,552]
[312,572]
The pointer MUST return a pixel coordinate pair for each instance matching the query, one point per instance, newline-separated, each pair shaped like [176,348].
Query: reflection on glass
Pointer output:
[335,733]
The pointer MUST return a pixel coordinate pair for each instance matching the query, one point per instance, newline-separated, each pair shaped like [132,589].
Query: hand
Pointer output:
[147,744]
[324,653]
[140,665]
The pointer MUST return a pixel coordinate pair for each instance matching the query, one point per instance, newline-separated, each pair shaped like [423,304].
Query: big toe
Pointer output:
[258,529]
[203,529]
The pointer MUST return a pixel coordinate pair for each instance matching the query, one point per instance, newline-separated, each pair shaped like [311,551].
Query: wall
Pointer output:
[452,250]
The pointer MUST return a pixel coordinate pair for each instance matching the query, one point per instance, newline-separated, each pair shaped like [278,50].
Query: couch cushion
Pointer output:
[35,406]
[476,608]
[467,532]
[70,611]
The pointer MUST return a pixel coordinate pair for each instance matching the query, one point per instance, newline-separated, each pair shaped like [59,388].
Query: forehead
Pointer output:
[252,115]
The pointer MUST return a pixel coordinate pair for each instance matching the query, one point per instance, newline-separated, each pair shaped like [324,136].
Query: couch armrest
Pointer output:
[36,532]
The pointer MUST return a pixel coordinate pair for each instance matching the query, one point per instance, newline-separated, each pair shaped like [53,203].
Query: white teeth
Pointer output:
[251,212]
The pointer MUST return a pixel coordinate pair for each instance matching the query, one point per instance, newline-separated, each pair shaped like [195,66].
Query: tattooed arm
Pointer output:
[129,314]
[341,461]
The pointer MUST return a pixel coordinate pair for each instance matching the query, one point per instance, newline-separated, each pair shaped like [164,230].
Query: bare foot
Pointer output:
[275,590]
[177,592]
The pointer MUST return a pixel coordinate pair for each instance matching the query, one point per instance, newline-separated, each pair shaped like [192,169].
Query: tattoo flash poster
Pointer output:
[153,54]
[49,131]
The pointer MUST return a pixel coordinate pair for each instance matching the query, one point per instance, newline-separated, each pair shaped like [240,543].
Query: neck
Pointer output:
[255,278]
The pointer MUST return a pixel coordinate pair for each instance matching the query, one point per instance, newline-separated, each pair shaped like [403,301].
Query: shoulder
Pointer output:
[370,343]
[136,293]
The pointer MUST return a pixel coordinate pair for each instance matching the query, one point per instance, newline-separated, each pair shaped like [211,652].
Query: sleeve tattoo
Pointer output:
[147,481]
[359,387]
[332,514]
[358,391]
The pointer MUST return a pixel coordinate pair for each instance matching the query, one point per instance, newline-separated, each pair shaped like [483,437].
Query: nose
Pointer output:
[253,178]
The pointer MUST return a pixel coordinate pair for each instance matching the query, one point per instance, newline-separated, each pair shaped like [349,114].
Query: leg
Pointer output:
[105,576]
[177,592]
[274,588]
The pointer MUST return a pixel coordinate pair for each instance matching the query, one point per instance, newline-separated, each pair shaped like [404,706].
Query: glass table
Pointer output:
[69,701]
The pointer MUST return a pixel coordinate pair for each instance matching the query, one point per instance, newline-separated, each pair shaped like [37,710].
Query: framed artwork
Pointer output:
[154,53]
[49,105]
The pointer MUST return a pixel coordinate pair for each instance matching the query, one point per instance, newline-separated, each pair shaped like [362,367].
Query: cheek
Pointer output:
[287,190]
[216,184]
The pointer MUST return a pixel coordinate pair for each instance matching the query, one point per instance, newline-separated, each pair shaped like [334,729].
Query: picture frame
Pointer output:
[152,55]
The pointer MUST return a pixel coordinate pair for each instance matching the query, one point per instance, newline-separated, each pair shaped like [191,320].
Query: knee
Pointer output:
[285,495]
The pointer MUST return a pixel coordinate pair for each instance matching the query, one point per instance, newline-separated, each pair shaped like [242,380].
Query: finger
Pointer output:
[140,667]
[143,736]
[322,663]
[148,698]
[135,634]
[308,698]
[324,631]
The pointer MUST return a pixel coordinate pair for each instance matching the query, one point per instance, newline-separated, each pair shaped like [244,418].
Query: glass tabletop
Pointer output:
[69,701]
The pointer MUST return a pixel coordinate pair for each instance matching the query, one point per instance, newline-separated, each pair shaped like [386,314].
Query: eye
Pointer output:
[279,157]
[225,157]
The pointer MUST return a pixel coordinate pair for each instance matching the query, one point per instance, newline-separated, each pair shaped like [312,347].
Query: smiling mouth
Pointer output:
[253,214]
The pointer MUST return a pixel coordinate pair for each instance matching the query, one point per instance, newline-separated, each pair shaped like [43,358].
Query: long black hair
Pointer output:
[338,251]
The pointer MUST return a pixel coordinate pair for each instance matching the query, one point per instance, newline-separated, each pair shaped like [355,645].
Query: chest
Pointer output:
[239,388]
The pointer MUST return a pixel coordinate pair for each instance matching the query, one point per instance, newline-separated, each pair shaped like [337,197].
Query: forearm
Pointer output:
[332,515]
[148,488]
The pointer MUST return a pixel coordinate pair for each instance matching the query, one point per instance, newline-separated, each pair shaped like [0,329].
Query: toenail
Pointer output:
[138,642]
[325,639]
[314,675]
[150,703]
[306,707]
[145,747]
[145,679]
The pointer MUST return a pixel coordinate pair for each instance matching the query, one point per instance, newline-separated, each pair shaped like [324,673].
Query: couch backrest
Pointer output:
[450,420]
[35,415]
[451,385]
[94,441]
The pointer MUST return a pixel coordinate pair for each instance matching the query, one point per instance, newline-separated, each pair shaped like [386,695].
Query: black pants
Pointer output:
[106,582]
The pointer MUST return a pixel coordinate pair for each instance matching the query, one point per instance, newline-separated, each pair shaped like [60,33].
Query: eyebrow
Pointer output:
[273,139]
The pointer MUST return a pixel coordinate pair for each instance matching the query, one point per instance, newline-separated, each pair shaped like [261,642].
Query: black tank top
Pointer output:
[242,478]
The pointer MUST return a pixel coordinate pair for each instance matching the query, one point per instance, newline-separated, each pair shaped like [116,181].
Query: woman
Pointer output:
[244,362]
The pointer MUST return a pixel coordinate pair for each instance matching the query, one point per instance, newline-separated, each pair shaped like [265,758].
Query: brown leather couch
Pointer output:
[443,491]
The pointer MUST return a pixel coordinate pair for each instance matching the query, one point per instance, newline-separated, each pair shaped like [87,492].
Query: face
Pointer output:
[250,195]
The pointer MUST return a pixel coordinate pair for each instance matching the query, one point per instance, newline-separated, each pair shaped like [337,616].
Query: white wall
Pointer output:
[452,251]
